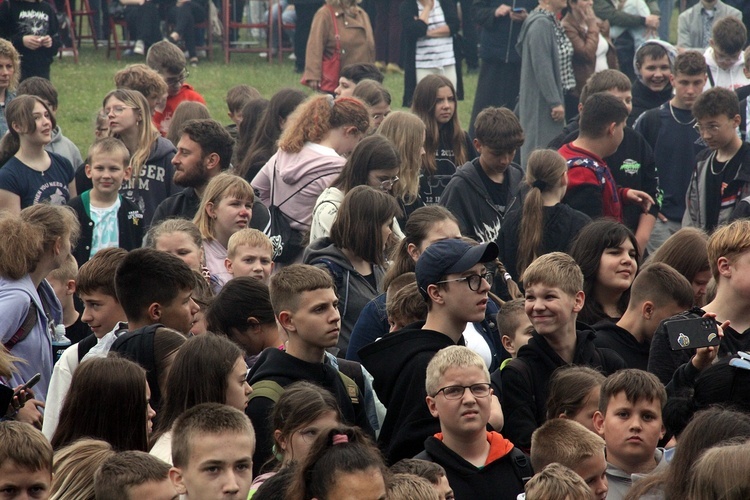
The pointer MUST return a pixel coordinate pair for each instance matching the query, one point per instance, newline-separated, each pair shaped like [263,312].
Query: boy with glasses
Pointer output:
[454,282]
[169,61]
[478,463]
[722,171]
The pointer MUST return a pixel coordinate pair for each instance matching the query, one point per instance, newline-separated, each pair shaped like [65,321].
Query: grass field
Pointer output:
[82,86]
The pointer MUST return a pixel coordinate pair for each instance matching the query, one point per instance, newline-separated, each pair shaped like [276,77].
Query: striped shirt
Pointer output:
[434,52]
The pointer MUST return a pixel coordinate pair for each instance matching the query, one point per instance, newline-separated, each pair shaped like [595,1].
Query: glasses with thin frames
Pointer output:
[710,129]
[457,391]
[174,81]
[387,184]
[116,110]
[474,280]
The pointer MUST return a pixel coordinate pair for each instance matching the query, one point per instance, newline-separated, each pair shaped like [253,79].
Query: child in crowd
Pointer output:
[430,471]
[95,285]
[236,98]
[727,249]
[658,292]
[107,218]
[629,420]
[33,29]
[75,466]
[557,482]
[410,486]
[169,61]
[486,189]
[574,394]
[686,252]
[554,297]
[226,207]
[569,443]
[215,434]
[591,187]
[446,144]
[25,461]
[607,253]
[514,326]
[714,475]
[186,111]
[352,74]
[725,60]
[133,475]
[250,253]
[151,156]
[63,282]
[305,304]
[653,66]
[43,89]
[478,463]
[378,101]
[302,413]
[721,176]
[544,224]
[404,304]
[454,282]
[146,81]
[29,173]
[342,463]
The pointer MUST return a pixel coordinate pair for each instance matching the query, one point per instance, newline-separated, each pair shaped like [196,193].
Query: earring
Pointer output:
[278,456]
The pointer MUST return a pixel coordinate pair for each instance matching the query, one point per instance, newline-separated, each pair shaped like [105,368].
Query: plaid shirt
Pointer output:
[565,51]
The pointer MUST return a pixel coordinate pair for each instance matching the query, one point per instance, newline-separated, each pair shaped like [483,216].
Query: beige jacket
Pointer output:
[357,42]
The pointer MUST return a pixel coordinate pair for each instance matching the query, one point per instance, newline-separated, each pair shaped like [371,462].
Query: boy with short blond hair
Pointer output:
[95,286]
[569,443]
[477,462]
[25,461]
[63,282]
[556,482]
[554,297]
[657,293]
[630,421]
[132,475]
[250,253]
[207,437]
[107,218]
[514,327]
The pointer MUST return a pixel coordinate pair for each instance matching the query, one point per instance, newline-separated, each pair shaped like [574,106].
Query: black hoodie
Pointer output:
[398,362]
[611,336]
[284,369]
[526,381]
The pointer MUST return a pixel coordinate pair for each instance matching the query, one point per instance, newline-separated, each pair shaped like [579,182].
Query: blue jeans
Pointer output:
[287,17]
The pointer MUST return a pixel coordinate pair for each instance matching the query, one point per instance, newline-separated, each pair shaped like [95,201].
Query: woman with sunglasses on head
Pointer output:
[151,155]
[375,163]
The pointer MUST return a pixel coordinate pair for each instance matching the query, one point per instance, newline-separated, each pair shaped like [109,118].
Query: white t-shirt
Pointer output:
[434,52]
[106,234]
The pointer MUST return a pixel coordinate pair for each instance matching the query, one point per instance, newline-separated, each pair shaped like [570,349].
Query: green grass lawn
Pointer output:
[82,86]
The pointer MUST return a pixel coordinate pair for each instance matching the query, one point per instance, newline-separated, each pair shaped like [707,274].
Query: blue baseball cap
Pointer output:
[450,256]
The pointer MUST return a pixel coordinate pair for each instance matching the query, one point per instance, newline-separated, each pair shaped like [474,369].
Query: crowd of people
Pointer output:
[329,299]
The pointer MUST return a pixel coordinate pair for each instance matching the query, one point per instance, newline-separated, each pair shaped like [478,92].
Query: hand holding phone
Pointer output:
[28,385]
[692,333]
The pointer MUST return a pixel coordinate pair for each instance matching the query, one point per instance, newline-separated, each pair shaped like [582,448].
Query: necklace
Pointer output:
[671,110]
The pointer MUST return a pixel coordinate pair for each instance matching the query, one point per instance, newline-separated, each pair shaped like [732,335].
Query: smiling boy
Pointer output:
[629,419]
[305,304]
[653,64]
[107,218]
[478,463]
[722,171]
[554,297]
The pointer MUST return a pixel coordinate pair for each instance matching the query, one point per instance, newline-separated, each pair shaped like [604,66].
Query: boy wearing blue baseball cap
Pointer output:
[453,280]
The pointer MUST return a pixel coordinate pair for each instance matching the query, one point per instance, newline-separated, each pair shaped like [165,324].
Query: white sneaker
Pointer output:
[292,57]
[139,48]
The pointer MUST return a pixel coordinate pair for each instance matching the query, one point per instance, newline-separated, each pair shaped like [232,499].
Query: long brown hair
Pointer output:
[406,131]
[315,117]
[544,170]
[423,106]
[20,111]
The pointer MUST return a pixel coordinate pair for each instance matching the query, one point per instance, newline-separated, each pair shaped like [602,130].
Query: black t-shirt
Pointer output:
[498,191]
[370,278]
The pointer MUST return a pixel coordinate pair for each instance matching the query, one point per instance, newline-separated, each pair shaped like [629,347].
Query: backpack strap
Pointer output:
[353,371]
[85,345]
[351,388]
[521,465]
[29,322]
[266,389]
